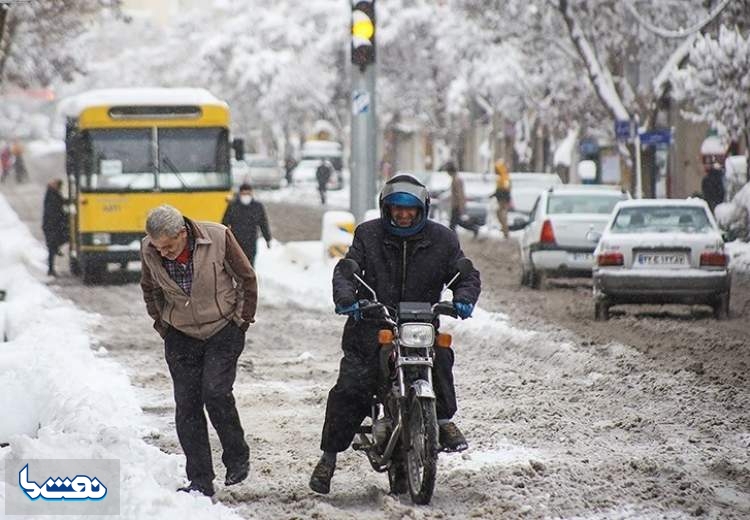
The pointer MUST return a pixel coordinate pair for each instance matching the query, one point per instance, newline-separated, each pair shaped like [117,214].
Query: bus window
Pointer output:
[120,159]
[193,158]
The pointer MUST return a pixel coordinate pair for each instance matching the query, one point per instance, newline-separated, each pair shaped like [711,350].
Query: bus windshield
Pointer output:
[179,159]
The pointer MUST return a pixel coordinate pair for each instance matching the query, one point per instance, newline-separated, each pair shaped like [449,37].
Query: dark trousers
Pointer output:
[250,252]
[350,399]
[203,372]
[52,249]
[466,224]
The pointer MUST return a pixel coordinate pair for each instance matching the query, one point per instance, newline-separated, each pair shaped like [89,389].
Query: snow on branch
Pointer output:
[682,33]
[600,77]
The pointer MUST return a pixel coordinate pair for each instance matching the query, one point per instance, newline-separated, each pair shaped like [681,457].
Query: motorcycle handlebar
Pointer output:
[445,308]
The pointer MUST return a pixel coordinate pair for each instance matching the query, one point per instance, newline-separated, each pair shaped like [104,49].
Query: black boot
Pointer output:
[205,488]
[237,474]
[320,481]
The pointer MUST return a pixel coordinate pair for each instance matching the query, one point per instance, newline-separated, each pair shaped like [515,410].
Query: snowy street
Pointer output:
[644,416]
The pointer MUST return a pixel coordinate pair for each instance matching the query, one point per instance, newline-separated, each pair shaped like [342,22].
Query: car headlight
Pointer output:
[417,335]
[101,239]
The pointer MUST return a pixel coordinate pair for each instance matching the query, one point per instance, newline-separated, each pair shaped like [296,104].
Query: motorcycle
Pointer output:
[402,435]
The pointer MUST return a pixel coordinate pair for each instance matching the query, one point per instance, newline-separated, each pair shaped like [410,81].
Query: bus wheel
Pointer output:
[93,271]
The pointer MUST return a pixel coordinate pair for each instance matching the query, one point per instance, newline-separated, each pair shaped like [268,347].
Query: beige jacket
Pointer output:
[458,197]
[224,285]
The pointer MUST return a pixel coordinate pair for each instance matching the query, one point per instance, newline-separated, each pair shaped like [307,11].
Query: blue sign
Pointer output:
[656,137]
[623,129]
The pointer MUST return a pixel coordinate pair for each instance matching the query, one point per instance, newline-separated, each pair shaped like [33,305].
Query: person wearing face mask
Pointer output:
[244,215]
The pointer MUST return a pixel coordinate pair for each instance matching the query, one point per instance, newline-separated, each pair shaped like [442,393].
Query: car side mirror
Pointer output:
[238,145]
[593,236]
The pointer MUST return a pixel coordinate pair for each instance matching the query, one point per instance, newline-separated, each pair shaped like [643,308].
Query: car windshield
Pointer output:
[661,219]
[562,203]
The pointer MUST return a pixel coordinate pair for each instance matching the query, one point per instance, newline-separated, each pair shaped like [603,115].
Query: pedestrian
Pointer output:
[19,164]
[323,174]
[458,202]
[712,186]
[244,215]
[502,194]
[202,294]
[6,162]
[405,257]
[54,222]
[289,165]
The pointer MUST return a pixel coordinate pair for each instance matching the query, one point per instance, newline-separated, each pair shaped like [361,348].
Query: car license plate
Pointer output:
[583,257]
[661,259]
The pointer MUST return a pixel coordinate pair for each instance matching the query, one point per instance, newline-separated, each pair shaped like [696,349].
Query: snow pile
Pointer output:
[61,400]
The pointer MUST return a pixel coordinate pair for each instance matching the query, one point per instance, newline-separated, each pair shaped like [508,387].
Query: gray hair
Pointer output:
[164,221]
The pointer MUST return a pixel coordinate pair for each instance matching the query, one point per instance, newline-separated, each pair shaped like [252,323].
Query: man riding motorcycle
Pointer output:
[405,257]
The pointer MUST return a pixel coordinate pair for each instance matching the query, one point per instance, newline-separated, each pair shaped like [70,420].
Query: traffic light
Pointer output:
[363,32]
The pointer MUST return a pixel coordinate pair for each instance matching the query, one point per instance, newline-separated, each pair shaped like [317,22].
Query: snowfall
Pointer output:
[63,398]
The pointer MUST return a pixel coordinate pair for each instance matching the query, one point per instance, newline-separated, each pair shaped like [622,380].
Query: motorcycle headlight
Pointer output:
[417,335]
[101,239]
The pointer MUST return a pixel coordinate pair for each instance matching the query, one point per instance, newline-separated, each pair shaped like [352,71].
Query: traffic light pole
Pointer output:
[364,141]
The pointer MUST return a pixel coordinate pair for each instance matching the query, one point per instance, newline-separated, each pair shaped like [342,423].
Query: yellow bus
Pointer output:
[129,150]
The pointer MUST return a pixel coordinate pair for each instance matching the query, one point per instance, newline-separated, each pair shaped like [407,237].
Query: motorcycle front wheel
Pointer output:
[421,448]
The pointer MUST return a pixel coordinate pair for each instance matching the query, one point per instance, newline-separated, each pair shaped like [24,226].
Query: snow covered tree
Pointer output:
[36,46]
[716,82]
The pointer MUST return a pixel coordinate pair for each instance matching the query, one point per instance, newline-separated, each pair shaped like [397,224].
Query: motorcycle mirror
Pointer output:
[464,266]
[349,268]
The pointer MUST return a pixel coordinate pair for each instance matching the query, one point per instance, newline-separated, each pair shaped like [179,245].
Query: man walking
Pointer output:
[244,216]
[54,222]
[458,202]
[202,294]
[323,175]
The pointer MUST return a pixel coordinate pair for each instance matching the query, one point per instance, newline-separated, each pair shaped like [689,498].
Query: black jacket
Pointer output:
[412,269]
[54,219]
[712,186]
[245,220]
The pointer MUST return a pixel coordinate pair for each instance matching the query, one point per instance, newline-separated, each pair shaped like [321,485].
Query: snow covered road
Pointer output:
[566,418]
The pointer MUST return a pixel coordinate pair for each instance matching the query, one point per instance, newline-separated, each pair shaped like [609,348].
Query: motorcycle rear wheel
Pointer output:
[422,449]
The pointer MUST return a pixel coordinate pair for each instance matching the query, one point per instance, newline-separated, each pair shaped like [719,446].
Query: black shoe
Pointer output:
[204,488]
[320,481]
[237,474]
[51,273]
[451,438]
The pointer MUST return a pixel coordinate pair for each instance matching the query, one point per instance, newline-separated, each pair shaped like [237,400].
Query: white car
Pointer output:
[305,173]
[562,232]
[264,172]
[661,251]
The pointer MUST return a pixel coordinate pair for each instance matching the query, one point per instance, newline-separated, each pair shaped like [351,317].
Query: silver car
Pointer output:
[562,232]
[661,251]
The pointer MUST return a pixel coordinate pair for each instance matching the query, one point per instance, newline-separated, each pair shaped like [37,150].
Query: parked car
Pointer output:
[661,251]
[304,173]
[562,232]
[264,172]
[478,188]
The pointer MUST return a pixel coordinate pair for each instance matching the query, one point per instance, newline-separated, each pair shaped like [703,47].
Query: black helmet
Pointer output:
[404,190]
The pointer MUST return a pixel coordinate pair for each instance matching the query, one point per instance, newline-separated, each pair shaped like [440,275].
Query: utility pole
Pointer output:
[364,122]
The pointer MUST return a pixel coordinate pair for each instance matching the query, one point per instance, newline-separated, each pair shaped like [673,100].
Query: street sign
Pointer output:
[656,137]
[623,129]
[360,102]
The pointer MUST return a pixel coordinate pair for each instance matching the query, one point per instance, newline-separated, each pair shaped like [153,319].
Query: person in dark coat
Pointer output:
[323,174]
[54,222]
[712,186]
[244,216]
[405,257]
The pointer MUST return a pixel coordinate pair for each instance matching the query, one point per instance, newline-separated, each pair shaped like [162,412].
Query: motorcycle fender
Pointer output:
[423,388]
